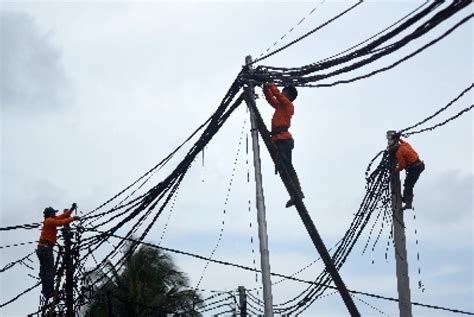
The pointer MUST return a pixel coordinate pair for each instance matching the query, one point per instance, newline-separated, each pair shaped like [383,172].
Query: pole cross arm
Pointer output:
[290,185]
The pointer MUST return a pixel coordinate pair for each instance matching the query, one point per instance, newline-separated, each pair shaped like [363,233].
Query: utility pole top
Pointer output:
[248,59]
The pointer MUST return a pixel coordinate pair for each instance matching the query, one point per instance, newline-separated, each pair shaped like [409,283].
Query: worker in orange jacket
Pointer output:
[406,159]
[281,122]
[46,243]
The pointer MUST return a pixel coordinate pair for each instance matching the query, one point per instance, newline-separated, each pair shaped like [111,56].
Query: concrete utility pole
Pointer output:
[403,281]
[69,272]
[242,301]
[110,312]
[260,201]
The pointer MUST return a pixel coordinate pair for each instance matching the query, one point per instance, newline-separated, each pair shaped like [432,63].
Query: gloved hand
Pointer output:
[76,218]
[268,83]
[74,206]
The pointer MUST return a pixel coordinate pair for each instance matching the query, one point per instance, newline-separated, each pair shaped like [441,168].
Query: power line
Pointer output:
[165,160]
[375,35]
[420,283]
[440,110]
[20,295]
[307,34]
[165,227]
[27,226]
[370,305]
[226,201]
[295,298]
[441,123]
[169,185]
[243,267]
[259,302]
[215,302]
[365,50]
[301,76]
[249,203]
[291,30]
[12,264]
[17,244]
[216,307]
[383,69]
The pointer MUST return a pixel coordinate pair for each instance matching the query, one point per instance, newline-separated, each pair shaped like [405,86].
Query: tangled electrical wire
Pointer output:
[157,197]
[308,75]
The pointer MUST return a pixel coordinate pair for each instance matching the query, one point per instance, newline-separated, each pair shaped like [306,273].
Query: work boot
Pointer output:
[407,206]
[296,182]
[408,202]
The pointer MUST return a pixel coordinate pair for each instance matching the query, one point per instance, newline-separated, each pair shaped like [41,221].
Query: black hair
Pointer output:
[49,212]
[291,92]
[394,135]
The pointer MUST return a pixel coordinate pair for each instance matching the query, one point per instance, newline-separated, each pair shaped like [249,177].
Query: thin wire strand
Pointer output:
[293,28]
[306,34]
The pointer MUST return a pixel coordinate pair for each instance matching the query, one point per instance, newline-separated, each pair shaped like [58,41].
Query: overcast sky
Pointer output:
[94,94]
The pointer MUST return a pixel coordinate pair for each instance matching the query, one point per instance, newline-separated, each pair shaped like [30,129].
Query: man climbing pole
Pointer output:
[406,158]
[281,122]
[46,243]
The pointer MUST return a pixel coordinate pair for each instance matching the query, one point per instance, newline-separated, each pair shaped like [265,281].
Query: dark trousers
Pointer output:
[413,173]
[285,149]
[46,259]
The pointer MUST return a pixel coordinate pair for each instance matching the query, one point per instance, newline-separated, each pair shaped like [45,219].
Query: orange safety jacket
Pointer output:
[284,110]
[50,224]
[405,155]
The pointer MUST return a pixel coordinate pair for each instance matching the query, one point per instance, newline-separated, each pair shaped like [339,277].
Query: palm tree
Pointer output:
[149,284]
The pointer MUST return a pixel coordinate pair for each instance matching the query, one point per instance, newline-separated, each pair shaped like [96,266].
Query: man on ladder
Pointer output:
[406,159]
[281,122]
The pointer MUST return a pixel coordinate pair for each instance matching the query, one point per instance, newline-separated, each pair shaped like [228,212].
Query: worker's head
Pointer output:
[49,212]
[393,139]
[290,92]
